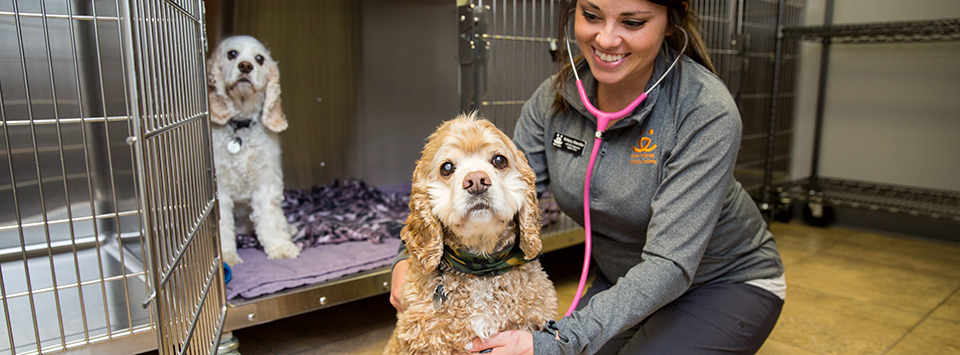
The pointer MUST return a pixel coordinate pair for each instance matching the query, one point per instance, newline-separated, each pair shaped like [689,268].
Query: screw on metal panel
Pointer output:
[251,317]
[386,285]
[323,300]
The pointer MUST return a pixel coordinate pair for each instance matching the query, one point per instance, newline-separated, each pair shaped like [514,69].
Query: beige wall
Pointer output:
[317,46]
[364,82]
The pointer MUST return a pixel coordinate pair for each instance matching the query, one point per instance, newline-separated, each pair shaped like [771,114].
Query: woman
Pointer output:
[685,263]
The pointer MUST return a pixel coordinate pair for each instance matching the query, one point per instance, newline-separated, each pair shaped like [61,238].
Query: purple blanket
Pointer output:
[338,212]
[258,276]
[342,228]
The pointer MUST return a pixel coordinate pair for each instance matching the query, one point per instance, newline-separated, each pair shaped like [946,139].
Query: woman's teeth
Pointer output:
[607,57]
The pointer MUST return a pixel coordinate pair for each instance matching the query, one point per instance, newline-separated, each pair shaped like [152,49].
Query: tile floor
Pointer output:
[849,292]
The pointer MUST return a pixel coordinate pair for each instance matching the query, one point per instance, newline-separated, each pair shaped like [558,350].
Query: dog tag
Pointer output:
[439,296]
[234,146]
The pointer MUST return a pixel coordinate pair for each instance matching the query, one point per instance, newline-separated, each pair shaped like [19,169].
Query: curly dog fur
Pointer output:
[466,197]
[243,87]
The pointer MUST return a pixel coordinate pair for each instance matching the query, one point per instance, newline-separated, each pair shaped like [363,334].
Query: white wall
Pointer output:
[892,110]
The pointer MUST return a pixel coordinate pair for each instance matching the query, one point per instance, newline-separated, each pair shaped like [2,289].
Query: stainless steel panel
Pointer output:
[72,211]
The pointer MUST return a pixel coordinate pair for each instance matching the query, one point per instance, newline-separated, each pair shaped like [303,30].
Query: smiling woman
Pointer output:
[681,248]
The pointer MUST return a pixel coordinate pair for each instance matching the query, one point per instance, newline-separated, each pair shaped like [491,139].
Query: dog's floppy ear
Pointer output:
[529,215]
[272,116]
[422,232]
[221,107]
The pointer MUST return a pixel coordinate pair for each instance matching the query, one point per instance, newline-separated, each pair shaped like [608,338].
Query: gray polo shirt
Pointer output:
[667,215]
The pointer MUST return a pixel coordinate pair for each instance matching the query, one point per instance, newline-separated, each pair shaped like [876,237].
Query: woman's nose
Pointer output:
[609,37]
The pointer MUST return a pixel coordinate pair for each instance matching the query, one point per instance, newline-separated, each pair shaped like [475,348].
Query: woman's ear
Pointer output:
[422,232]
[273,117]
[529,217]
[221,107]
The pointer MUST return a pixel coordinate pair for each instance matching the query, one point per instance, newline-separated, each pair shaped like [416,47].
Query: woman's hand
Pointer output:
[397,277]
[511,342]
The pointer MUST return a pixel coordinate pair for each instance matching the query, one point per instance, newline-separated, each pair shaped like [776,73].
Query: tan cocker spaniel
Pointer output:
[473,236]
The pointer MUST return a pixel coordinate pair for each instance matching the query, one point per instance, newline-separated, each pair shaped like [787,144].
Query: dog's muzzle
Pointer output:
[476,182]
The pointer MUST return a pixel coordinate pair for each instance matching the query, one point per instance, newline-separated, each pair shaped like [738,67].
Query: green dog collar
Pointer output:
[479,265]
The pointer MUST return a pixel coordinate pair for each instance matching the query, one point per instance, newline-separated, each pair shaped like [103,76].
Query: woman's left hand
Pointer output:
[511,342]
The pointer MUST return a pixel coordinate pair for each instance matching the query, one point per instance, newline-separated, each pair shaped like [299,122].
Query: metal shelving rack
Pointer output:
[819,193]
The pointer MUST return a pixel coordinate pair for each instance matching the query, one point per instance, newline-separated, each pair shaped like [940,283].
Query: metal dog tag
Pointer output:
[234,146]
[439,296]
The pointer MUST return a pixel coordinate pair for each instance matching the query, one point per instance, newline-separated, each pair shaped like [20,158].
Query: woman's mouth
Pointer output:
[609,58]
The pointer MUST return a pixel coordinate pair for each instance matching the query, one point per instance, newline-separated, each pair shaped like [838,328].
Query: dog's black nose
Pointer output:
[476,182]
[245,67]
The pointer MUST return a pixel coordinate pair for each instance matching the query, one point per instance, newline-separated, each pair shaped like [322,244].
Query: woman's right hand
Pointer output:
[397,278]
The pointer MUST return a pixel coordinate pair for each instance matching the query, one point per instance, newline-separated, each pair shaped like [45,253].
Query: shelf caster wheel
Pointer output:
[229,345]
[783,211]
[818,214]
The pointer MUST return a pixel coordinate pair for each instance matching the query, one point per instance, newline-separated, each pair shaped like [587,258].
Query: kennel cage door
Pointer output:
[174,161]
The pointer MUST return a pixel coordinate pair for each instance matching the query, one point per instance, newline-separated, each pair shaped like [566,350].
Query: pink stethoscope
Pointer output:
[603,120]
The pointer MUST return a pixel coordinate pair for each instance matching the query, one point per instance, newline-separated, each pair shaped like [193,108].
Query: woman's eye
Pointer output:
[499,162]
[590,16]
[231,54]
[634,23]
[446,169]
[260,59]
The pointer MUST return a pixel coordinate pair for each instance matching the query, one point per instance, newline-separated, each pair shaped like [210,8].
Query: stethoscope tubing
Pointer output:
[603,120]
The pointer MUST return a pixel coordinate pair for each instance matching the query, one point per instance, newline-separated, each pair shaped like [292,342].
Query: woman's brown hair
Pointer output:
[679,15]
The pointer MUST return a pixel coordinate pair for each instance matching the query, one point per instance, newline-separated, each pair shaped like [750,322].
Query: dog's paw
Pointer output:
[231,258]
[282,250]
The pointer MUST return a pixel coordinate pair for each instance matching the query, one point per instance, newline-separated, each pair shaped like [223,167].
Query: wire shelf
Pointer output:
[882,32]
[936,204]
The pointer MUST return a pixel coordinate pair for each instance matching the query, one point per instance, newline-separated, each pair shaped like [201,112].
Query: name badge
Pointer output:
[569,144]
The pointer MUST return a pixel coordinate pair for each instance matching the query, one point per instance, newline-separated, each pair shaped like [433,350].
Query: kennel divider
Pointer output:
[106,167]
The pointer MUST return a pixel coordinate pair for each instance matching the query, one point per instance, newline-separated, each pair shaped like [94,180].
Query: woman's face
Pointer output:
[620,38]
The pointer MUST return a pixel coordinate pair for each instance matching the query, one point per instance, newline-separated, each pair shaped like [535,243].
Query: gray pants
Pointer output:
[723,318]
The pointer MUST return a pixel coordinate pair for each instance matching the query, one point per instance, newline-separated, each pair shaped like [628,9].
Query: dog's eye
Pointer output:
[231,55]
[446,169]
[499,162]
[259,59]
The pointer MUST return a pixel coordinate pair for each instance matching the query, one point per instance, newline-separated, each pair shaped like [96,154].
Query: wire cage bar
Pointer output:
[741,38]
[933,204]
[81,135]
[903,31]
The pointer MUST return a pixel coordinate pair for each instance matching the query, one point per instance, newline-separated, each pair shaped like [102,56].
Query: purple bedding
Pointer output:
[341,211]
[342,228]
[258,276]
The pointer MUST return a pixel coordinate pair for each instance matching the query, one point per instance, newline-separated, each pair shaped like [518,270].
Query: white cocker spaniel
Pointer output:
[243,86]
[473,235]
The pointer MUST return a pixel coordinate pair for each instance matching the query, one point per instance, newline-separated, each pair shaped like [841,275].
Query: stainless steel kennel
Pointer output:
[106,185]
[107,218]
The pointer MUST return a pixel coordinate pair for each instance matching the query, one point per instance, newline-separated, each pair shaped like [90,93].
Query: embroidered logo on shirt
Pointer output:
[643,152]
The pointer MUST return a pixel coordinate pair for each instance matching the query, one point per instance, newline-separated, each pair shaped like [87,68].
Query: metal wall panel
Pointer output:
[104,146]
